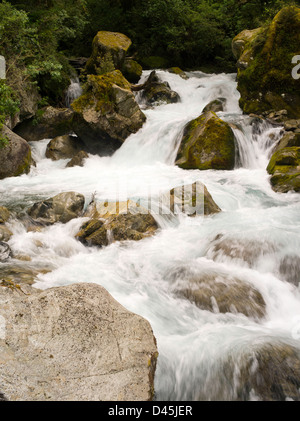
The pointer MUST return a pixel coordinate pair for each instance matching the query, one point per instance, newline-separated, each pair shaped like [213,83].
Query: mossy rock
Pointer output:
[207,143]
[119,221]
[108,52]
[132,70]
[215,106]
[15,157]
[284,167]
[265,65]
[106,113]
[179,72]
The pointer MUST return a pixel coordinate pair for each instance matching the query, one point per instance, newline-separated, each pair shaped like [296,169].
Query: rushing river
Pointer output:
[193,344]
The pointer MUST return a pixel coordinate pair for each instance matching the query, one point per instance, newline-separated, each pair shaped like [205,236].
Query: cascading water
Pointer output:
[260,228]
[74,91]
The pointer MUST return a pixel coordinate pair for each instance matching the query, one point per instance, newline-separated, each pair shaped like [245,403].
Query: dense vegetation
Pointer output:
[38,36]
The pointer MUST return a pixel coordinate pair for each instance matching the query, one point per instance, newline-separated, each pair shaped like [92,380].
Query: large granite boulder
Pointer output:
[106,113]
[108,52]
[73,343]
[207,143]
[61,208]
[15,156]
[265,65]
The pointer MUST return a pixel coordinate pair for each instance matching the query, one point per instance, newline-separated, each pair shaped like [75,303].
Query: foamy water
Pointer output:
[193,344]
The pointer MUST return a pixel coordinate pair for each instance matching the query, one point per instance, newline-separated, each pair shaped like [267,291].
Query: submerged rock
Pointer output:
[61,208]
[245,250]
[269,371]
[15,157]
[51,123]
[219,293]
[207,143]
[73,343]
[106,113]
[265,66]
[289,269]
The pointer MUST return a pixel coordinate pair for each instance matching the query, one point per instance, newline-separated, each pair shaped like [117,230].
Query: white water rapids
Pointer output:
[193,344]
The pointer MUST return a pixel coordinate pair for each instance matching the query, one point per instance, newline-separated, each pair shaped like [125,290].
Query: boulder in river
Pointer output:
[106,113]
[244,250]
[63,147]
[265,65]
[116,221]
[61,208]
[156,91]
[132,70]
[50,123]
[109,50]
[267,371]
[222,293]
[78,160]
[15,156]
[284,168]
[207,143]
[289,268]
[215,106]
[73,343]
[192,199]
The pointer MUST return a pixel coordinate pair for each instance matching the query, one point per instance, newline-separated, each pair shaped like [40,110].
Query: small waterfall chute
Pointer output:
[73,92]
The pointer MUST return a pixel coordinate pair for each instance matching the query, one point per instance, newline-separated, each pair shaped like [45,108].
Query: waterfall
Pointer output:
[254,240]
[74,91]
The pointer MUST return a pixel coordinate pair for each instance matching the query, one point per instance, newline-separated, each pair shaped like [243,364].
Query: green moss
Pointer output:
[269,60]
[208,143]
[98,92]
[24,168]
[284,158]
